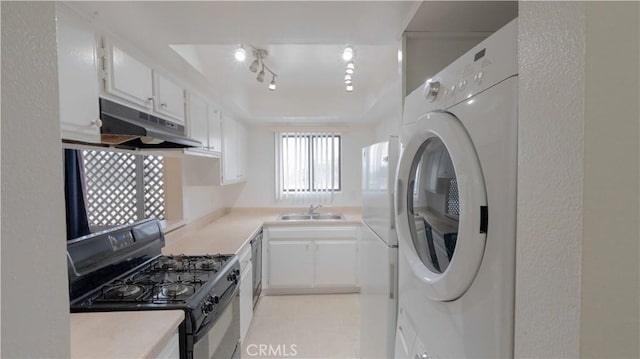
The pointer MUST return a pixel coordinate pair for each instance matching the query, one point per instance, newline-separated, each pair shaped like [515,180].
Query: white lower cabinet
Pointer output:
[336,264]
[246,300]
[290,264]
[246,289]
[171,350]
[315,259]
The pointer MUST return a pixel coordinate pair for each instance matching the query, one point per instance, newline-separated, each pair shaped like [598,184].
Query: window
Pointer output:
[308,163]
[123,188]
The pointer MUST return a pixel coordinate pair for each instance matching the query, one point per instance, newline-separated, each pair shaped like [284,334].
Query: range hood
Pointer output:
[124,126]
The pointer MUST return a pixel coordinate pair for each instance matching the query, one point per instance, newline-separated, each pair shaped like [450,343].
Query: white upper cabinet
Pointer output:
[229,152]
[241,149]
[127,78]
[169,98]
[77,77]
[215,130]
[198,111]
[234,153]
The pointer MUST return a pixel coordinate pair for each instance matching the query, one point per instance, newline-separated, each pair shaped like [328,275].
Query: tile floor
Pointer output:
[305,326]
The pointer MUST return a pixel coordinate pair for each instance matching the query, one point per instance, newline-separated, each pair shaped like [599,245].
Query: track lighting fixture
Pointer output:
[260,77]
[347,53]
[240,54]
[254,66]
[272,84]
[258,62]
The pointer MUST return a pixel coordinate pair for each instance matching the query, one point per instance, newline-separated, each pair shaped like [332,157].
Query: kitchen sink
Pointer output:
[308,217]
[294,217]
[325,216]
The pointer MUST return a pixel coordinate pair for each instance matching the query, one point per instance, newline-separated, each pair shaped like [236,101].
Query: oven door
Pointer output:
[222,341]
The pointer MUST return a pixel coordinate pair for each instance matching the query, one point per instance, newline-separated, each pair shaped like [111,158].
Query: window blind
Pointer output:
[307,167]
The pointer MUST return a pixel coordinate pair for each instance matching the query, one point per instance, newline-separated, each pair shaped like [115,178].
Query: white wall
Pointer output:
[609,315]
[550,179]
[35,297]
[577,246]
[259,191]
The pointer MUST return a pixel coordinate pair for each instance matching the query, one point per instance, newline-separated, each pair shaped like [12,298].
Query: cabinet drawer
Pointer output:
[329,232]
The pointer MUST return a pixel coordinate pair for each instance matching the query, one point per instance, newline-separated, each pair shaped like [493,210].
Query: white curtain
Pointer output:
[307,167]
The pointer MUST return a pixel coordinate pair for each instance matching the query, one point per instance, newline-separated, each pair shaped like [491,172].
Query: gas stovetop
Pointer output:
[166,279]
[123,269]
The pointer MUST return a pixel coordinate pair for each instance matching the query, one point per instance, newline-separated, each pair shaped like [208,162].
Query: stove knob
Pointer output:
[207,307]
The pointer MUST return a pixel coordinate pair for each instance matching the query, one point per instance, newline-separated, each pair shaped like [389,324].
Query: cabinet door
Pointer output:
[290,264]
[127,77]
[169,98]
[198,119]
[241,150]
[246,300]
[171,349]
[336,263]
[215,130]
[229,153]
[77,77]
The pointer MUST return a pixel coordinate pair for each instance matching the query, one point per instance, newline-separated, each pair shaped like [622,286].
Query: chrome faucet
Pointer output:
[312,210]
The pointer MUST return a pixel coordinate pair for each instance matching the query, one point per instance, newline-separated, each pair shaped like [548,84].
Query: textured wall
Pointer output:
[610,272]
[550,175]
[35,299]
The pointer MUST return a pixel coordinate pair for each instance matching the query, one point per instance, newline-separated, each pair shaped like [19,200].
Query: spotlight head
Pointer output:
[240,54]
[349,71]
[260,77]
[347,77]
[348,82]
[272,84]
[254,65]
[349,88]
[347,54]
[351,65]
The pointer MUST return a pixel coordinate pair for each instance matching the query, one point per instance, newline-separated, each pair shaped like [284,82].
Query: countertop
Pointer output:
[229,233]
[140,334]
[143,334]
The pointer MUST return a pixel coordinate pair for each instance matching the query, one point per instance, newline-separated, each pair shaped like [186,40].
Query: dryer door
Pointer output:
[441,206]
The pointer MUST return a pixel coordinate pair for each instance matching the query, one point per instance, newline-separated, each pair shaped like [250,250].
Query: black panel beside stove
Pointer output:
[122,269]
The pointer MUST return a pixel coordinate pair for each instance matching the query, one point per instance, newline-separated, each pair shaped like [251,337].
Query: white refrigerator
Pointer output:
[378,266]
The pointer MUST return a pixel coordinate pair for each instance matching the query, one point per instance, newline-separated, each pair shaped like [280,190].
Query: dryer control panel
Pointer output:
[486,64]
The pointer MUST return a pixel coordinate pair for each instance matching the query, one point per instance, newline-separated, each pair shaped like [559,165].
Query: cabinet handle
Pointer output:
[97,123]
[163,105]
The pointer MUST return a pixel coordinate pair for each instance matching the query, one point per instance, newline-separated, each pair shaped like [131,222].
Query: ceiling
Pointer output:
[304,40]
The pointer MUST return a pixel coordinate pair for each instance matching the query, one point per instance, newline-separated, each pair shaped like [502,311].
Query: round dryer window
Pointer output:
[442,206]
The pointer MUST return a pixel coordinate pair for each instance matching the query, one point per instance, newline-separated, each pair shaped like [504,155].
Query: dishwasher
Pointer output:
[256,262]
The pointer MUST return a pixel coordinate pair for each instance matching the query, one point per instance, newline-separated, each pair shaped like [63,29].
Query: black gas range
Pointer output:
[122,269]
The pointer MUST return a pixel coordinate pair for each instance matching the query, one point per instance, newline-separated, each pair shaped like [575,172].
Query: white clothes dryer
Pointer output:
[456,207]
